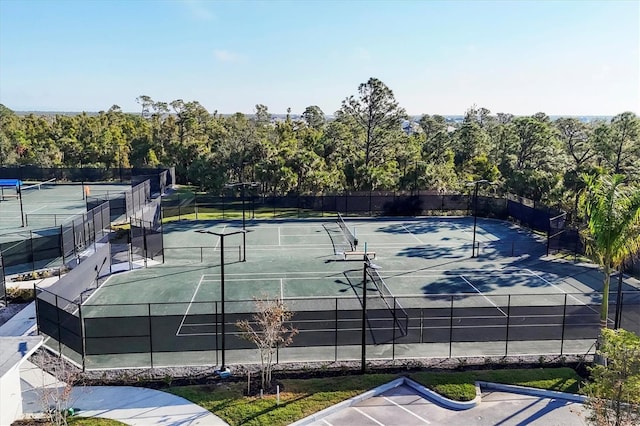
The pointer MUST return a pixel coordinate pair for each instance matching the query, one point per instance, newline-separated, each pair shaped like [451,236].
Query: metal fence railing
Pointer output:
[330,329]
[54,247]
[159,176]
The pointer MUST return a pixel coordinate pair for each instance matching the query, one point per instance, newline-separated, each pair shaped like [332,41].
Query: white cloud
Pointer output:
[198,10]
[226,56]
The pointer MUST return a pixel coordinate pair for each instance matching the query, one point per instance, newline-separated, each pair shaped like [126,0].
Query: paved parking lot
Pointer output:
[403,406]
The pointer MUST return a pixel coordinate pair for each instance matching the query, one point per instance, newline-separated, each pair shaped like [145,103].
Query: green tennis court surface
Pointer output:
[302,258]
[49,204]
[170,314]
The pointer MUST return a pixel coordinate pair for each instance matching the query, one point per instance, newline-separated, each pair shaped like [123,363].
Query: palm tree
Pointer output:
[613,226]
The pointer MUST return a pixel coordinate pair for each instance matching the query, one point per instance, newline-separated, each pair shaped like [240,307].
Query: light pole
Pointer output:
[476,184]
[221,235]
[242,185]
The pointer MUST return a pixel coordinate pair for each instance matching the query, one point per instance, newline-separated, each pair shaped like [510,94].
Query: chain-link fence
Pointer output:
[349,204]
[89,174]
[330,329]
[54,247]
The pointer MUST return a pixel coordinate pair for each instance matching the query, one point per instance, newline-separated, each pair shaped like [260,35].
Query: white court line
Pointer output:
[219,238]
[39,208]
[407,410]
[296,247]
[318,235]
[264,279]
[412,234]
[285,274]
[200,324]
[367,416]
[389,273]
[196,334]
[184,317]
[483,295]
[561,290]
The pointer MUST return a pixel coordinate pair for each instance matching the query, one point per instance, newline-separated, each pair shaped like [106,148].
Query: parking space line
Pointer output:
[407,410]
[367,416]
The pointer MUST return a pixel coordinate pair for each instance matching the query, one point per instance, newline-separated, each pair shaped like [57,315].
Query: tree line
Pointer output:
[369,144]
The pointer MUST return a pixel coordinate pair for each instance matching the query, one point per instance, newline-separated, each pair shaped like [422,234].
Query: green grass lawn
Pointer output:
[210,213]
[92,421]
[81,421]
[301,397]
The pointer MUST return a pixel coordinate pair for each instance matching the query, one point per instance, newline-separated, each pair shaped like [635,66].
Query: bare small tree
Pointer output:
[268,331]
[56,397]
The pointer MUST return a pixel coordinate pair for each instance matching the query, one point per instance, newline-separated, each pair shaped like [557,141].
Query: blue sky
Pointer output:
[562,58]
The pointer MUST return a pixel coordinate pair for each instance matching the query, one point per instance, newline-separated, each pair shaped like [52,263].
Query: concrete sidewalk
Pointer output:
[140,406]
[127,404]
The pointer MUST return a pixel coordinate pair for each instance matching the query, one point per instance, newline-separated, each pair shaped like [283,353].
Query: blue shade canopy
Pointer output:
[4,183]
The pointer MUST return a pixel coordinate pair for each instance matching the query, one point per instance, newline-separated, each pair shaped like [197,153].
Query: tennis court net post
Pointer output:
[400,315]
[349,236]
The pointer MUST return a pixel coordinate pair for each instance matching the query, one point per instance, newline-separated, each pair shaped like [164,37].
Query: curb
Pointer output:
[439,399]
[533,391]
[423,391]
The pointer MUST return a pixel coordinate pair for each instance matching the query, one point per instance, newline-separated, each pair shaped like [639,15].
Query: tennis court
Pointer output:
[420,279]
[49,203]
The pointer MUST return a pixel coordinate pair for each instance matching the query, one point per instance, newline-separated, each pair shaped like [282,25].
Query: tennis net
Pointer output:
[400,315]
[38,186]
[350,237]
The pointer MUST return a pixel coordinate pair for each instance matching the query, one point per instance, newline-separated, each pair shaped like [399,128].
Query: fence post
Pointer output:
[35,295]
[82,337]
[564,320]
[421,324]
[451,328]
[130,255]
[84,235]
[215,311]
[335,340]
[61,245]
[393,338]
[506,340]
[618,318]
[33,257]
[144,243]
[150,334]
[58,324]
